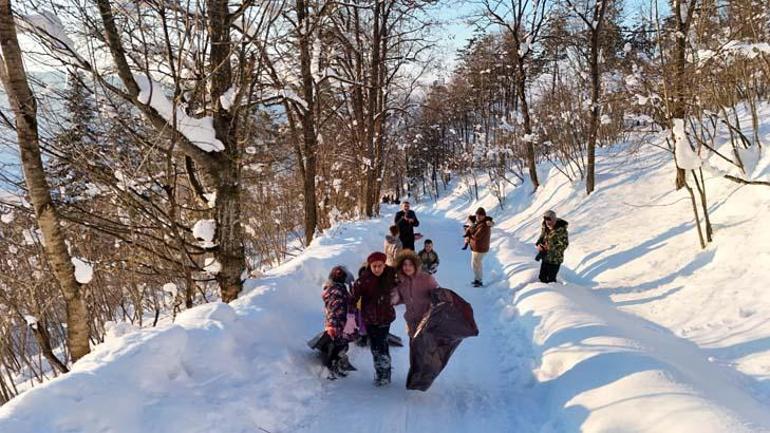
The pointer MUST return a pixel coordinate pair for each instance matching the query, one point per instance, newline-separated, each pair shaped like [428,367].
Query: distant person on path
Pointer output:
[429,257]
[479,234]
[393,246]
[374,287]
[413,289]
[406,221]
[551,244]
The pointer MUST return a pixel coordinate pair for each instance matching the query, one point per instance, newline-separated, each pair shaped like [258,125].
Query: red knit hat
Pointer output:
[376,257]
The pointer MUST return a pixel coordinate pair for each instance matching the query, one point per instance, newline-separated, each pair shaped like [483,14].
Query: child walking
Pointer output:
[374,288]
[334,344]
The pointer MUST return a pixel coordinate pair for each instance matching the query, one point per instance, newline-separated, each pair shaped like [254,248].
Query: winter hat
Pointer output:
[550,215]
[376,257]
[339,274]
[411,256]
[481,211]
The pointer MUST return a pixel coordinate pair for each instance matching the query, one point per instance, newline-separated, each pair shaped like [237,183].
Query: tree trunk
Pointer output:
[43,338]
[678,105]
[229,252]
[24,107]
[596,89]
[522,91]
[310,140]
[221,171]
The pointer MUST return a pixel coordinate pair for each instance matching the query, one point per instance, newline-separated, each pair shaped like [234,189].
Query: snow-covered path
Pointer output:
[478,391]
[554,358]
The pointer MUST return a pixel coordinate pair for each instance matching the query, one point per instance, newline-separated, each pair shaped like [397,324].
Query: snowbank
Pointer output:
[647,333]
[224,368]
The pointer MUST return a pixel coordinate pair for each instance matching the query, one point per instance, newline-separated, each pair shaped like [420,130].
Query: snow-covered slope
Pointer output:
[646,333]
[245,366]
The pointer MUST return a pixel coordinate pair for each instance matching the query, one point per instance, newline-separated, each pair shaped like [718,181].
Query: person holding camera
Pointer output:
[550,245]
[406,221]
[478,235]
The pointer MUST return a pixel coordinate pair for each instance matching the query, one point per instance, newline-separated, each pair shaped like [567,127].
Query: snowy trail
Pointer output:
[554,358]
[478,391]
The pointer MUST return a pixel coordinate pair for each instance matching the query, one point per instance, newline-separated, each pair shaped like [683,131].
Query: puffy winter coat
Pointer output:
[429,261]
[414,292]
[336,301]
[555,241]
[480,234]
[392,247]
[375,295]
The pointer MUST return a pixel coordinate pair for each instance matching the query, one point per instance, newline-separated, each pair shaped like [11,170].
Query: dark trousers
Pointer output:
[332,349]
[408,242]
[378,342]
[378,339]
[548,271]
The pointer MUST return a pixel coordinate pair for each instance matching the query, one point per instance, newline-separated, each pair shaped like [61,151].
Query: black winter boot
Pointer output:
[363,341]
[382,370]
[345,365]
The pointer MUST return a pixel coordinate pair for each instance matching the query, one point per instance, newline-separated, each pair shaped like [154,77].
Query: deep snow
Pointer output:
[644,332]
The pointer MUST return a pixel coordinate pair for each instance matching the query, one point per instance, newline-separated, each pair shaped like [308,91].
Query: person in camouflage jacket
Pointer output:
[336,303]
[429,258]
[551,244]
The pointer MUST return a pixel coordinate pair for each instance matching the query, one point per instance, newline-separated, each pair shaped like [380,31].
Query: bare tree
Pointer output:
[592,13]
[24,107]
[523,20]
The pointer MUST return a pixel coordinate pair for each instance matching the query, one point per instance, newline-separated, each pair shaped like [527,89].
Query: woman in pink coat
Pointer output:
[413,289]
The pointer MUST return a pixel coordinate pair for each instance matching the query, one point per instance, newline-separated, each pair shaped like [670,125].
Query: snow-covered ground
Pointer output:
[644,333]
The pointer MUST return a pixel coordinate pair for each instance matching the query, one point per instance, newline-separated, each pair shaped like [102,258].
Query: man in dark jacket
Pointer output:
[406,221]
[551,244]
[479,234]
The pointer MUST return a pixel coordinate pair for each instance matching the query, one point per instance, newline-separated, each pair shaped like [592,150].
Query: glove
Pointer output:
[395,299]
[350,325]
[331,332]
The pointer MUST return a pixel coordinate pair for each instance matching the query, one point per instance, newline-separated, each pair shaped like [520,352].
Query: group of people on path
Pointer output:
[399,275]
[374,294]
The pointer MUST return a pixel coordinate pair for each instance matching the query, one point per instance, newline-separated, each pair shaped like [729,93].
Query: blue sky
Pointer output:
[456,30]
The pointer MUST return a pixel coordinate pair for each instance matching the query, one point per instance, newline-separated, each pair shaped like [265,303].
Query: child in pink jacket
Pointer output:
[413,289]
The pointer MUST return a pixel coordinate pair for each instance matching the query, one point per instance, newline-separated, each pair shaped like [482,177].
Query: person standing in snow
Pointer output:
[336,304]
[551,244]
[429,257]
[479,234]
[413,289]
[406,220]
[374,288]
[392,246]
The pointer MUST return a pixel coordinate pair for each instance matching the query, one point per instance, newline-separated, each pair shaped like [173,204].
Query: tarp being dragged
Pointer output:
[448,321]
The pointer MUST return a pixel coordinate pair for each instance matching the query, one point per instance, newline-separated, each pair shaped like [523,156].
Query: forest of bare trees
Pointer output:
[163,152]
